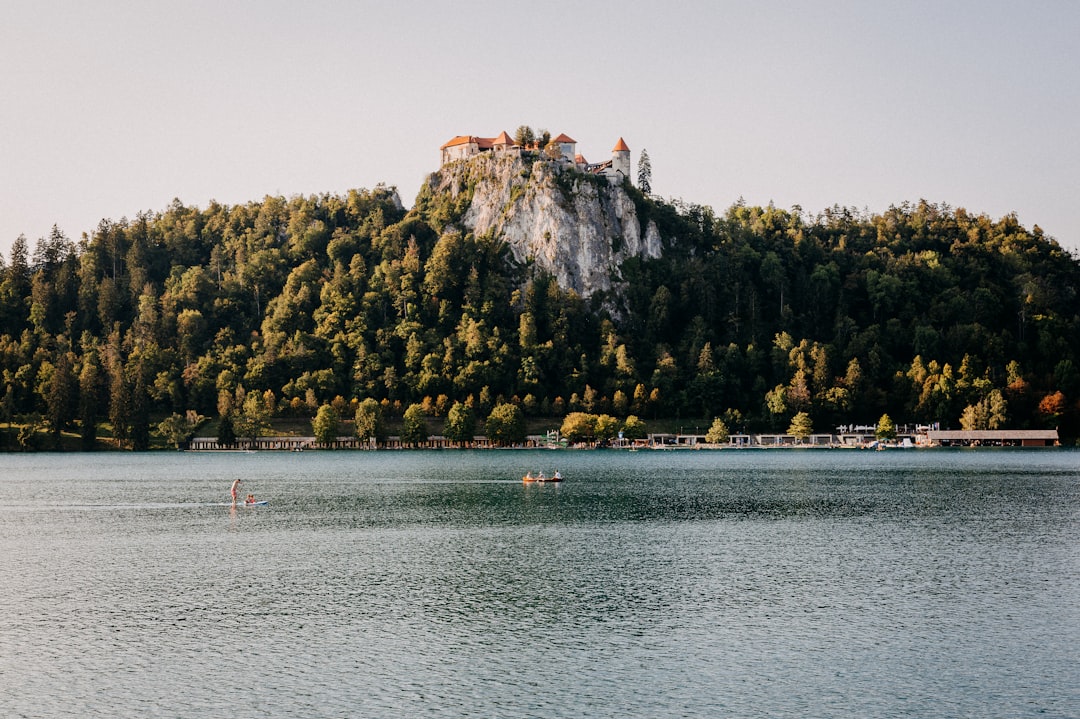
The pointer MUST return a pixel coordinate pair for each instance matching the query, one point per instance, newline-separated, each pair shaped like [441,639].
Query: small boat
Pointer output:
[542,478]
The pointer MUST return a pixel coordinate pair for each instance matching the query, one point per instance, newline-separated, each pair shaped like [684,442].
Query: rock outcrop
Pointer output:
[578,227]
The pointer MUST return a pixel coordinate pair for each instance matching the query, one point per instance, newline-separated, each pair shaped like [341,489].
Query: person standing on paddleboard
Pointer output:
[235,486]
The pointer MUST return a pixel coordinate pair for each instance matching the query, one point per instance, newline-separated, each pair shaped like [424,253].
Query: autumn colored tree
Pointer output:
[717,433]
[886,428]
[1053,406]
[579,427]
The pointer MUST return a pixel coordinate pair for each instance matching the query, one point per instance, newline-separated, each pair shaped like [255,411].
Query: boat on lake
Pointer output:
[543,478]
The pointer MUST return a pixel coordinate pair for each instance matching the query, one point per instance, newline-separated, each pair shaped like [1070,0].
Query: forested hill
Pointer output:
[923,312]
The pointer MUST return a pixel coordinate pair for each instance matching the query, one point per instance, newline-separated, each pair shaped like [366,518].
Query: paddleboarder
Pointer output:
[235,488]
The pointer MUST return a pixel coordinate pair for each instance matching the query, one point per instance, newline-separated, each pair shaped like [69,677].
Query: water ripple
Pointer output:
[667,584]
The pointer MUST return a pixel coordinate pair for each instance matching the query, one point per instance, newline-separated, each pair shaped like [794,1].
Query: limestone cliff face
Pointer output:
[579,228]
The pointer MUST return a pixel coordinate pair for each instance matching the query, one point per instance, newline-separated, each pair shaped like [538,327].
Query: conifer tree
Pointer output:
[718,432]
[801,426]
[644,173]
[886,429]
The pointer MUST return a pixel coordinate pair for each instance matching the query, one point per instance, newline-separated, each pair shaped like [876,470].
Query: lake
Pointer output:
[771,583]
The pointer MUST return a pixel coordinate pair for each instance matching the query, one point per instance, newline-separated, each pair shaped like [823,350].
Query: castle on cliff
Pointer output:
[463,147]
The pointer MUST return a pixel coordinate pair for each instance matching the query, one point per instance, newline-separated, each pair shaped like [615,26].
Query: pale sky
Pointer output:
[116,106]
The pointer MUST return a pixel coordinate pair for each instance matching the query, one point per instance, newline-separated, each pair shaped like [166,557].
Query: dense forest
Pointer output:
[279,307]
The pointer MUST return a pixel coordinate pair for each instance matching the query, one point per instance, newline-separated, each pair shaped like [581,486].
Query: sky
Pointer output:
[119,106]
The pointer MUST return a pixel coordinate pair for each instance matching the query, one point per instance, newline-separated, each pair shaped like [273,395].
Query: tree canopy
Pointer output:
[273,308]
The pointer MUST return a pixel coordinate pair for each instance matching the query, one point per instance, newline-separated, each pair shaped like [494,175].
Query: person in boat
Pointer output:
[541,476]
[557,475]
[528,475]
[235,488]
[250,499]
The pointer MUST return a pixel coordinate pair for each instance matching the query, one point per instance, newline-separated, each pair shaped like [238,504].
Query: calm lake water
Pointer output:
[755,583]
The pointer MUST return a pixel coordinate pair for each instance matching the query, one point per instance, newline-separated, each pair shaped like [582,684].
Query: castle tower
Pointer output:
[620,159]
[567,145]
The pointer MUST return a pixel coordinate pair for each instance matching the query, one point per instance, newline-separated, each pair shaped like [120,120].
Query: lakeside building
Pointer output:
[852,439]
[864,437]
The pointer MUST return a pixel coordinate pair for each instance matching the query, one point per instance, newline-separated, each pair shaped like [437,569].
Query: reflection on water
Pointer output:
[924,584]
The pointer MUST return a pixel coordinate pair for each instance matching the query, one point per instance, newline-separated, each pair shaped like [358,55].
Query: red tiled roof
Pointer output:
[580,159]
[620,146]
[459,140]
[563,138]
[484,143]
[503,139]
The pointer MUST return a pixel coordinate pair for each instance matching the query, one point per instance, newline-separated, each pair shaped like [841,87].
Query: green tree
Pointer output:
[972,419]
[327,295]
[60,395]
[733,418]
[326,425]
[89,396]
[988,413]
[28,436]
[460,424]
[178,429]
[226,434]
[524,136]
[776,400]
[886,429]
[15,287]
[414,425]
[505,425]
[620,403]
[140,407]
[644,173]
[119,403]
[718,432]
[633,428]
[801,426]
[369,421]
[579,427]
[607,427]
[997,410]
[253,420]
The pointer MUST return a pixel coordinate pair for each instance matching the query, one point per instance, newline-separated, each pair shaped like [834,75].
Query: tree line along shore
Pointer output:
[290,309]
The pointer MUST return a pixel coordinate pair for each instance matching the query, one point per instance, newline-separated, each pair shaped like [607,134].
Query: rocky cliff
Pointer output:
[578,227]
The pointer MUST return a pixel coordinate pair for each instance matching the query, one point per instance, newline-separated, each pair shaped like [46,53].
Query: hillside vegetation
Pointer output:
[924,312]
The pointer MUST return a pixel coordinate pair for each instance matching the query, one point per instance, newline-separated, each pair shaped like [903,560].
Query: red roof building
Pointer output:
[462,147]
